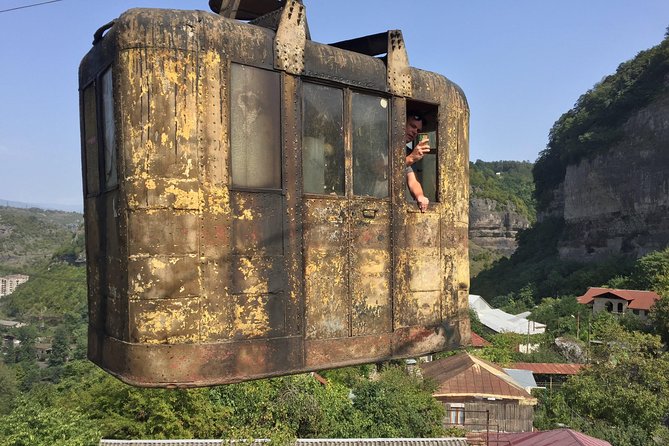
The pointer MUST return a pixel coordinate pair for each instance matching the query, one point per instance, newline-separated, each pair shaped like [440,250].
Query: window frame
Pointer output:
[347,123]
[101,136]
[415,106]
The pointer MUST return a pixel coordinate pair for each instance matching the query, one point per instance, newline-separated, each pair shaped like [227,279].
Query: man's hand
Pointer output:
[418,152]
[422,201]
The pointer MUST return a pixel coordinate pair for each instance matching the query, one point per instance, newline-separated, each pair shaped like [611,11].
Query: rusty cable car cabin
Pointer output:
[245,200]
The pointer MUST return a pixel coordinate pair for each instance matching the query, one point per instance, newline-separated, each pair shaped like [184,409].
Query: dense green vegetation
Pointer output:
[622,396]
[29,237]
[506,182]
[594,124]
[87,404]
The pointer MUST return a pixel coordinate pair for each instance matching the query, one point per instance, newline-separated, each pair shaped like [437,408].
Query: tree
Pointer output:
[60,348]
[659,316]
[36,423]
[651,272]
[9,389]
[625,390]
[26,352]
[398,405]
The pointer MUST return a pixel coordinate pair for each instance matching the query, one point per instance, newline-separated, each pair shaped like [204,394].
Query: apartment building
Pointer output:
[9,283]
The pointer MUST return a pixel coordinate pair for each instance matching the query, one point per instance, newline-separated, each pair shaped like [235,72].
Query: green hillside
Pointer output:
[30,237]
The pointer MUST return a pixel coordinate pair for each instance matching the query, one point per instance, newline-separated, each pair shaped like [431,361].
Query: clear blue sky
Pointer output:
[521,63]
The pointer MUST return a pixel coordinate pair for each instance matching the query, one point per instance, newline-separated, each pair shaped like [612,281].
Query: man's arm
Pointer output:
[416,191]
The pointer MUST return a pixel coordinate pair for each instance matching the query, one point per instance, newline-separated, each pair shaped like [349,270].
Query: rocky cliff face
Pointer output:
[493,226]
[618,202]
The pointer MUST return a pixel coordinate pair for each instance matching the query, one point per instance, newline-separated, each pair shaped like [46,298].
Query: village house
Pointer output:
[480,396]
[619,301]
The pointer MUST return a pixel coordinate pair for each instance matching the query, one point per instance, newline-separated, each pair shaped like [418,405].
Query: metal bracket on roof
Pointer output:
[391,44]
[398,73]
[290,39]
[226,8]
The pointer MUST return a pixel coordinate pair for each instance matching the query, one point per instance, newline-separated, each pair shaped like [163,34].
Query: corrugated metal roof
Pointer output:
[546,368]
[301,442]
[467,375]
[556,437]
[638,299]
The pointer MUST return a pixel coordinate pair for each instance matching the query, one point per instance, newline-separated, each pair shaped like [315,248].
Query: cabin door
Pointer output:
[346,224]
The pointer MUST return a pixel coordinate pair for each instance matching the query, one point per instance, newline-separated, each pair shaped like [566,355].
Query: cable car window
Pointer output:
[255,127]
[109,130]
[369,118]
[323,141]
[91,140]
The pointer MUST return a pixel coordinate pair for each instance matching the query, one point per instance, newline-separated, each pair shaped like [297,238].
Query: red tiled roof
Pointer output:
[638,300]
[478,341]
[466,375]
[555,437]
[546,368]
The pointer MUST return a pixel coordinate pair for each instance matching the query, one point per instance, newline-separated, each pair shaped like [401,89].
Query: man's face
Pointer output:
[414,126]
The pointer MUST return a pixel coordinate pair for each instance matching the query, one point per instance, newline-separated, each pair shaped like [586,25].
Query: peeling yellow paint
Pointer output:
[156,264]
[184,199]
[245,215]
[252,319]
[218,200]
[189,167]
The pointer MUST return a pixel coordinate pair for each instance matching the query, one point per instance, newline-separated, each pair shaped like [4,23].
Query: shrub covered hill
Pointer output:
[48,246]
[30,237]
[601,187]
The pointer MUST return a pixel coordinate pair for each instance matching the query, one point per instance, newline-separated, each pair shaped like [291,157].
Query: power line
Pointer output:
[29,6]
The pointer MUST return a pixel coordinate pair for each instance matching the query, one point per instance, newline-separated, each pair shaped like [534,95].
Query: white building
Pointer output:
[9,283]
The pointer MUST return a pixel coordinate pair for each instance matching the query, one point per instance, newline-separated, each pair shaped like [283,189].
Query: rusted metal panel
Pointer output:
[346,67]
[163,277]
[190,365]
[162,231]
[370,268]
[326,272]
[347,351]
[164,321]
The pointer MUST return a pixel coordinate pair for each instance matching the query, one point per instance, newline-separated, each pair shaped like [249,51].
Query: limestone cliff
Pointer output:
[493,226]
[618,202]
